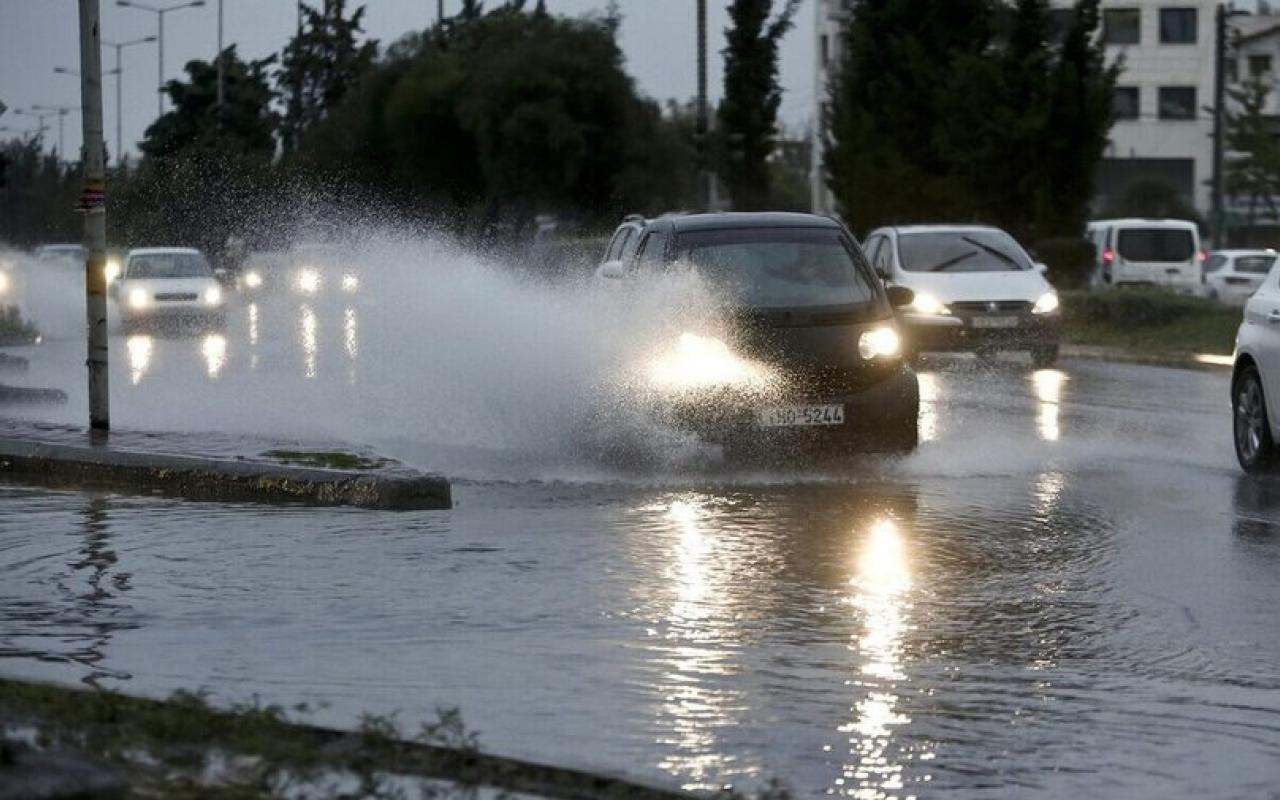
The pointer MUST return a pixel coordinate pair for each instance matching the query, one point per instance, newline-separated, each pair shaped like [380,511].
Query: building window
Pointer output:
[1122,26]
[1124,103]
[1177,102]
[1178,25]
[1259,66]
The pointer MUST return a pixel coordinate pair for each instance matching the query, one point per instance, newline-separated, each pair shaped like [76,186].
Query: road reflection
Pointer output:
[929,394]
[140,349]
[1048,385]
[308,326]
[881,583]
[214,350]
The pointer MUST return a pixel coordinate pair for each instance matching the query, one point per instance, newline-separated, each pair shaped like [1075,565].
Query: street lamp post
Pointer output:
[159,11]
[119,73]
[61,112]
[40,118]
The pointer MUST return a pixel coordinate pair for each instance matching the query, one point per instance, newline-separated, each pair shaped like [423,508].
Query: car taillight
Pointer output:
[1108,256]
[1202,256]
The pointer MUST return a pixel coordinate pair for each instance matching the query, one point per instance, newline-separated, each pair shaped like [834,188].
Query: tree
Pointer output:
[246,124]
[967,110]
[748,115]
[1253,168]
[320,64]
[38,195]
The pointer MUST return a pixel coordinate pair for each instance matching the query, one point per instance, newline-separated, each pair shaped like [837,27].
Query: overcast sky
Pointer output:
[658,38]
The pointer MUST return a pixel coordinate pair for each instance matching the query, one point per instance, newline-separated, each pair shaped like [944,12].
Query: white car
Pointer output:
[1232,276]
[167,283]
[1159,252]
[976,289]
[1255,380]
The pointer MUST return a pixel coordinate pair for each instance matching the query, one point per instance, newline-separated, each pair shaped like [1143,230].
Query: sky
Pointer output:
[658,40]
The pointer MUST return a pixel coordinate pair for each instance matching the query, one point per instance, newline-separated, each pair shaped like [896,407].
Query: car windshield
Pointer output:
[774,268]
[1168,245]
[168,265]
[961,251]
[1214,263]
[1257,265]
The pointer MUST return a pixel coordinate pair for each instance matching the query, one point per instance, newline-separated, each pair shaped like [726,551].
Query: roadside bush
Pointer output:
[14,330]
[1143,307]
[1070,260]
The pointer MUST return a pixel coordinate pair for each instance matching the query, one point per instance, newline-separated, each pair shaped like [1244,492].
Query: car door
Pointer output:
[1260,337]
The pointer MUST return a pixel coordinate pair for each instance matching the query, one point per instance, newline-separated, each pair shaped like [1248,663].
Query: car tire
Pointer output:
[1044,357]
[1251,428]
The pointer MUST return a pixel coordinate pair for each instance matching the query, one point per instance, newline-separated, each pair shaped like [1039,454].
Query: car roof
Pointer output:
[155,251]
[748,219]
[943,228]
[1255,251]
[1144,223]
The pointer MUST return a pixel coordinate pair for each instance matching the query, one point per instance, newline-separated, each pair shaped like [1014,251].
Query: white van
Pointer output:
[1163,252]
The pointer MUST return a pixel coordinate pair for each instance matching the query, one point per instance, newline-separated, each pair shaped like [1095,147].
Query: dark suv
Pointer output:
[806,310]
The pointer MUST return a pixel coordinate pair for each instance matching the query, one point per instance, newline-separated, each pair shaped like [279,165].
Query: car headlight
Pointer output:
[253,279]
[212,296]
[703,362]
[350,283]
[308,281]
[138,298]
[879,343]
[111,269]
[1047,304]
[4,283]
[925,303]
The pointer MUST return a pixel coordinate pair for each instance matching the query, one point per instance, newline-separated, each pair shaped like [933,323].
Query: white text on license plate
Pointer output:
[995,322]
[798,416]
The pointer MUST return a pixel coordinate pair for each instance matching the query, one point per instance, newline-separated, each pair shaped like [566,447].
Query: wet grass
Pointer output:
[1149,321]
[325,459]
[14,330]
[182,747]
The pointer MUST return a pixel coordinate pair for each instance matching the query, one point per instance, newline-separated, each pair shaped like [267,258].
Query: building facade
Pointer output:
[1163,130]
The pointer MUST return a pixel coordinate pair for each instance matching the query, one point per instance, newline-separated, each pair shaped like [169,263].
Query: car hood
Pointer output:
[968,286]
[169,285]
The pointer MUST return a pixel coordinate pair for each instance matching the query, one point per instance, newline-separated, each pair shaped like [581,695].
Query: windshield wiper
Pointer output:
[995,251]
[951,262]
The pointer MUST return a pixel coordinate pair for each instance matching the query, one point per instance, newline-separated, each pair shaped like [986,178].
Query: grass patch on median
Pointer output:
[1148,320]
[325,459]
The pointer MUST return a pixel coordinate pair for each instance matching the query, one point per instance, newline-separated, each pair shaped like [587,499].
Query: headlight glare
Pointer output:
[308,281]
[925,303]
[879,343]
[1047,304]
[139,299]
[111,269]
[252,280]
[212,296]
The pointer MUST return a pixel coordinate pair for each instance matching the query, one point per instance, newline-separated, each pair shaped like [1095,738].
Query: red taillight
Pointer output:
[1108,256]
[1203,256]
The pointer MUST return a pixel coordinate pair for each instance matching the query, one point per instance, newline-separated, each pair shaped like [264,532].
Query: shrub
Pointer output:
[1136,307]
[1070,260]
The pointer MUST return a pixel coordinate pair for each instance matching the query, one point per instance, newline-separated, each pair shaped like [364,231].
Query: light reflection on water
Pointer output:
[308,328]
[214,349]
[140,349]
[929,395]
[1048,385]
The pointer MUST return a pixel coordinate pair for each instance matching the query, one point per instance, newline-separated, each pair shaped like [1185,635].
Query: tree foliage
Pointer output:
[1253,168]
[748,115]
[969,110]
[38,196]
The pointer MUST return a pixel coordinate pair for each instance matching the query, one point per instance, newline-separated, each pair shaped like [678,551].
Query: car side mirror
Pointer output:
[1042,268]
[900,296]
[613,270]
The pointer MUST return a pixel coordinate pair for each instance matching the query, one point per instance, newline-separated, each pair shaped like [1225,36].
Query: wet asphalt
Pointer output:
[1070,590]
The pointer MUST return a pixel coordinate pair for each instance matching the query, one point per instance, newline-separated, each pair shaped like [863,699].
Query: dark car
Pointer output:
[806,310]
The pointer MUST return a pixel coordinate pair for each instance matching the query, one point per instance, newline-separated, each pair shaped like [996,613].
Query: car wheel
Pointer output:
[1255,449]
[1044,357]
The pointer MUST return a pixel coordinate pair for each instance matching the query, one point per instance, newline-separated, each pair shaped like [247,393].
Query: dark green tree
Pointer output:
[748,115]
[1253,168]
[320,64]
[38,196]
[246,125]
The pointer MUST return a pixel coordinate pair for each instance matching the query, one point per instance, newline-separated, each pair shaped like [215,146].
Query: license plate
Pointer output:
[995,322]
[801,416]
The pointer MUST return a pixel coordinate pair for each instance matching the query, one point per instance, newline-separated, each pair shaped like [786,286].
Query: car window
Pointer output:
[1214,263]
[1254,265]
[653,248]
[629,245]
[961,251]
[1166,245]
[168,265]
[619,243]
[883,262]
[774,268]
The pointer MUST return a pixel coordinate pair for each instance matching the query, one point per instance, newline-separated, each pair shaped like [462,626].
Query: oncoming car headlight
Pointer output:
[139,299]
[111,269]
[925,303]
[4,283]
[1047,304]
[703,362]
[308,281]
[879,343]
[212,296]
[253,279]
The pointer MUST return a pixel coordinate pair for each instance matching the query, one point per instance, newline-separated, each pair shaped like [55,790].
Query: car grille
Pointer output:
[176,297]
[991,307]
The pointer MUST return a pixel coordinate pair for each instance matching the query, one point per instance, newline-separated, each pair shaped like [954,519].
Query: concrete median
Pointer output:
[139,463]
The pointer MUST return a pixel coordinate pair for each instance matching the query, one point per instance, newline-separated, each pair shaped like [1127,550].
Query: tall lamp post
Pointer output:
[119,73]
[61,112]
[159,11]
[40,118]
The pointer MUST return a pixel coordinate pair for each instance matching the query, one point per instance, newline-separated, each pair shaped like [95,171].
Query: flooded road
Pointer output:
[1069,591]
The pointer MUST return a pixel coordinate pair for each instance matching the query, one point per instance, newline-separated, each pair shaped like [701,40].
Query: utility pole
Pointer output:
[703,125]
[440,12]
[1217,212]
[93,204]
[220,68]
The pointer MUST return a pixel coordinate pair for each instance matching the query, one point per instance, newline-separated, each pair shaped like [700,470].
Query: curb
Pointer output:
[194,478]
[1203,362]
